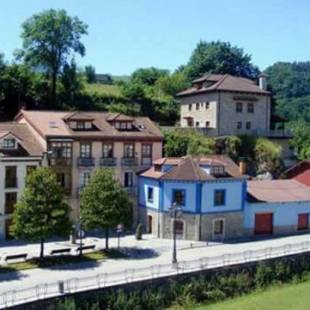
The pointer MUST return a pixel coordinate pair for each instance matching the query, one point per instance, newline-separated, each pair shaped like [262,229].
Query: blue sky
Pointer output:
[128,34]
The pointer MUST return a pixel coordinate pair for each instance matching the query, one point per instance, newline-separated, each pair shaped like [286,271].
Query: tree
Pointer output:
[105,203]
[172,84]
[148,76]
[90,73]
[49,39]
[41,211]
[301,139]
[221,58]
[200,145]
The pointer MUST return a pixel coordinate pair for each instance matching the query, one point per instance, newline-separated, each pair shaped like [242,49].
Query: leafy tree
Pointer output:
[200,145]
[176,142]
[230,145]
[268,156]
[41,212]
[105,203]
[301,139]
[71,84]
[172,84]
[90,73]
[148,76]
[221,58]
[49,38]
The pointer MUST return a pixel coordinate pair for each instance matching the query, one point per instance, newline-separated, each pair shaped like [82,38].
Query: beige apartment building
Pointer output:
[220,105]
[19,153]
[76,143]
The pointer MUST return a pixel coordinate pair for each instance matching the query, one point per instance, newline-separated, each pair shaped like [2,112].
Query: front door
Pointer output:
[263,224]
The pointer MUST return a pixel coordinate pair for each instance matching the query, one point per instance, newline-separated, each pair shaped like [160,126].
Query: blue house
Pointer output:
[214,198]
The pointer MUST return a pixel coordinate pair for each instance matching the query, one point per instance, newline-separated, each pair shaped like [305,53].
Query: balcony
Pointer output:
[60,161]
[86,162]
[146,161]
[129,162]
[108,162]
[11,183]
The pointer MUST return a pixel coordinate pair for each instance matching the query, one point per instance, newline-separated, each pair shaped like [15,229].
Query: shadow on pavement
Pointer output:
[138,253]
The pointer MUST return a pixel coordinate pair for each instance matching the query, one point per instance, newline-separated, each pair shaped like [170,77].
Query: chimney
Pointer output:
[262,81]
[242,166]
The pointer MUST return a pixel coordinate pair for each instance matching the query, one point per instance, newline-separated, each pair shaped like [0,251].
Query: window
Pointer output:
[150,194]
[80,125]
[197,124]
[146,150]
[10,201]
[129,150]
[239,107]
[303,221]
[219,197]
[190,107]
[61,149]
[190,122]
[239,125]
[178,197]
[107,150]
[128,179]
[10,176]
[85,150]
[197,106]
[207,124]
[218,227]
[250,108]
[84,178]
[9,143]
[207,105]
[248,125]
[64,180]
[179,227]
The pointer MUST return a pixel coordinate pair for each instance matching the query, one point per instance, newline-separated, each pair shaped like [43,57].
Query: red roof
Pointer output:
[300,172]
[278,191]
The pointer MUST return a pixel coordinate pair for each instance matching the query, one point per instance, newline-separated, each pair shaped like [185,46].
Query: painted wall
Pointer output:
[234,196]
[21,174]
[144,184]
[284,214]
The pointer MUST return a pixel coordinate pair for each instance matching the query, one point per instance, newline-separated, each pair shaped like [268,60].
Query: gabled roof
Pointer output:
[119,117]
[224,82]
[189,168]
[78,116]
[51,124]
[300,172]
[27,143]
[278,191]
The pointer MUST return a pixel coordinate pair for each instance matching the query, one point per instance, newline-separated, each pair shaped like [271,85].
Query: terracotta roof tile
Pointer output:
[225,83]
[278,191]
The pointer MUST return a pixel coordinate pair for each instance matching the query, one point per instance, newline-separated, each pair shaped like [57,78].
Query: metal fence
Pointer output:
[102,280]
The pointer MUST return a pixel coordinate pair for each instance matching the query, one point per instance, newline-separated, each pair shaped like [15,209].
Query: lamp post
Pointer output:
[175,212]
[81,235]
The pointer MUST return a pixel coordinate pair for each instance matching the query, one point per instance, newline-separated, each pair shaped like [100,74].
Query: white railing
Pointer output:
[102,280]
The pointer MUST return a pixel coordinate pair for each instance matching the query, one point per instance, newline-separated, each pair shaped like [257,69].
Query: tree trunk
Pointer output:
[107,238]
[41,248]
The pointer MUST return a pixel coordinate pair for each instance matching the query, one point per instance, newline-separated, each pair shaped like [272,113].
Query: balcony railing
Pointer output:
[108,161]
[129,162]
[86,162]
[11,183]
[146,161]
[60,161]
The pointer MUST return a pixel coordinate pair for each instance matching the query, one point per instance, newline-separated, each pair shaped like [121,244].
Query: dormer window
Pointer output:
[123,125]
[218,170]
[81,125]
[9,143]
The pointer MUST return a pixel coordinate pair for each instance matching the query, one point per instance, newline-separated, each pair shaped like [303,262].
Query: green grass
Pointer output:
[102,89]
[294,296]
[49,261]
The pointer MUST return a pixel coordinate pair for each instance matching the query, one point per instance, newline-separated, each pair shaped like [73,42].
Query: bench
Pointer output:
[86,247]
[16,256]
[61,251]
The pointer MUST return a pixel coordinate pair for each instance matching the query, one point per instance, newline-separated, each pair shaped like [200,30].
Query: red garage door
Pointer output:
[263,224]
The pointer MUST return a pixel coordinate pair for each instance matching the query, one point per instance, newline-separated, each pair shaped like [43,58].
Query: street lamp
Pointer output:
[81,235]
[175,212]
